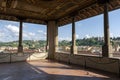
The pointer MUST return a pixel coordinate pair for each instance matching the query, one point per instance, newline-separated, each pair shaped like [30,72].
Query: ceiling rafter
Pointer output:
[46,10]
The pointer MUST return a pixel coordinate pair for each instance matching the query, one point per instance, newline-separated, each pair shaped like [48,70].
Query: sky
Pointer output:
[91,27]
[9,31]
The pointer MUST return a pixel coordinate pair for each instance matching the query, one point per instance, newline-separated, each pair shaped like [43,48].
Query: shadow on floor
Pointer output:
[47,70]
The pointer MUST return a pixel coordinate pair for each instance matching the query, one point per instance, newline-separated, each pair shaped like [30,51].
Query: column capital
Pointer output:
[103,1]
[20,18]
[73,15]
[46,22]
[73,18]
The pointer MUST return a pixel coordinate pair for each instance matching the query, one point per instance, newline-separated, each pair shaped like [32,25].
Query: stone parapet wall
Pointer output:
[14,57]
[101,63]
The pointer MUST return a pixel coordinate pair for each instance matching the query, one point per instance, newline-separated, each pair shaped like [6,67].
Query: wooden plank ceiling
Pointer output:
[41,11]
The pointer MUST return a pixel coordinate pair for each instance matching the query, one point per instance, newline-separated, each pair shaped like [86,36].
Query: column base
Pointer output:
[20,49]
[107,51]
[51,57]
[47,48]
[74,50]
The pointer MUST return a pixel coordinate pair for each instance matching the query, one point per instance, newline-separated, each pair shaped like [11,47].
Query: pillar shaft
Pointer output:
[106,46]
[20,47]
[47,42]
[106,25]
[52,39]
[73,33]
[56,38]
[73,48]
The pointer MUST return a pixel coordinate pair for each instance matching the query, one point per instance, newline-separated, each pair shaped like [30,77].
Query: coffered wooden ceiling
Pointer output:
[40,11]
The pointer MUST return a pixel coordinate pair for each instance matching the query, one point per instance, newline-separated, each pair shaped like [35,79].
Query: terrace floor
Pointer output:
[49,70]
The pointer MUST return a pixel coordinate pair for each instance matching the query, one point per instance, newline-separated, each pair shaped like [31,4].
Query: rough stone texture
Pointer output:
[48,70]
[100,63]
[14,57]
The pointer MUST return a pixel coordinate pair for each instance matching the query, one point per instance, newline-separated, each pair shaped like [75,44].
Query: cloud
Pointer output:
[13,30]
[68,38]
[24,25]
[87,36]
[61,38]
[28,35]
[40,31]
[10,32]
[78,24]
[77,36]
[2,34]
[65,38]
[31,34]
[111,35]
[25,35]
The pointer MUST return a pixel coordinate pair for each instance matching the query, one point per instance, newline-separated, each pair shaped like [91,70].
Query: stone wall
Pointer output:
[10,57]
[100,63]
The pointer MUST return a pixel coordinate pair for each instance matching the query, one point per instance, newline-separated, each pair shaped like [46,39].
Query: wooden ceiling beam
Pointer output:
[76,11]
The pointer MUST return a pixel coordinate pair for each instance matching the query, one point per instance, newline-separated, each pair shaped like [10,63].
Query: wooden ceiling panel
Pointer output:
[40,11]
[93,10]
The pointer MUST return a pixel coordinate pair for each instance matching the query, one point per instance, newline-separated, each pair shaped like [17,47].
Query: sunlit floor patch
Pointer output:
[48,70]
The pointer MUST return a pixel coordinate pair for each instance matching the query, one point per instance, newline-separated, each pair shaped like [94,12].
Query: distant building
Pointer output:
[117,48]
[100,38]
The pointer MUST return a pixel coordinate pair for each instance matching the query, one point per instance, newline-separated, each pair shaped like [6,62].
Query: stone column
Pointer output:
[20,46]
[106,47]
[56,37]
[52,39]
[47,42]
[73,47]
